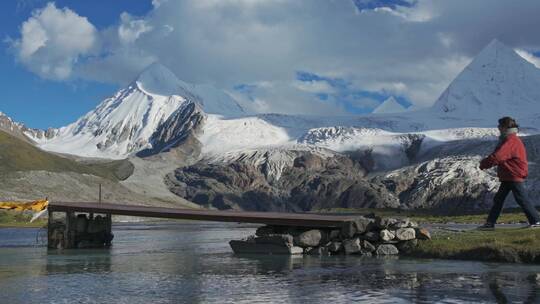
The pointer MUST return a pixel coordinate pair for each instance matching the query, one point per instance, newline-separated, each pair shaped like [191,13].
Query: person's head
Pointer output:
[506,123]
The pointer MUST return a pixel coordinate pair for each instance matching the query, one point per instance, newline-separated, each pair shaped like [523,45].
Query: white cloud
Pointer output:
[412,52]
[52,40]
[314,86]
[157,3]
[131,29]
[529,57]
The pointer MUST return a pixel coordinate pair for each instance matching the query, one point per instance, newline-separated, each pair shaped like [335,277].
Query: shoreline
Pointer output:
[508,243]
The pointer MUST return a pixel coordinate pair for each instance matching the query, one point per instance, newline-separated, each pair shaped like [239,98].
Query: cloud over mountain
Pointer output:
[52,41]
[408,49]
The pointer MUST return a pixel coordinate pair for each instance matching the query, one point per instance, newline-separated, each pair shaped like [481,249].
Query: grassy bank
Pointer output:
[18,155]
[10,218]
[515,245]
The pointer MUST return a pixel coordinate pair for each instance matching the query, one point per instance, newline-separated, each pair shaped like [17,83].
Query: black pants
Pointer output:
[521,198]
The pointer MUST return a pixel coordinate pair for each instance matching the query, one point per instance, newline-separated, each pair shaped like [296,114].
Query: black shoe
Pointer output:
[487,226]
[534,225]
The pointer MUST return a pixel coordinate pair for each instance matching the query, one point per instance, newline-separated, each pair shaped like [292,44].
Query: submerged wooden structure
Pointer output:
[90,225]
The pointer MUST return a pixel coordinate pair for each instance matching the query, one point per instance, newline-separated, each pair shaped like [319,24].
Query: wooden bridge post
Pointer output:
[50,230]
[108,228]
[79,231]
[69,233]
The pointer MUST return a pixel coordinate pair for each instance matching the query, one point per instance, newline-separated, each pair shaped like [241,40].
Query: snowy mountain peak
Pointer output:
[156,79]
[497,55]
[390,105]
[498,82]
[126,123]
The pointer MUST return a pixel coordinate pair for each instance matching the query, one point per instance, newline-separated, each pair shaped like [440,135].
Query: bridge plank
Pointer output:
[269,218]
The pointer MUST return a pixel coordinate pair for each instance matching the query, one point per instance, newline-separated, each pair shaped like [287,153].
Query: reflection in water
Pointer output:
[505,292]
[192,263]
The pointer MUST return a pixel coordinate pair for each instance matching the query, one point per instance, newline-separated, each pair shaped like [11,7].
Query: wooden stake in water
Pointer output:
[100,193]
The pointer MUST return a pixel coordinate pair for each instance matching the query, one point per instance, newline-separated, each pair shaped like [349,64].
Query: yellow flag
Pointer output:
[35,206]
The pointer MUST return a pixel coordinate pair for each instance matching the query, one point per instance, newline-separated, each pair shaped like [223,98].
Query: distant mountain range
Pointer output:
[205,132]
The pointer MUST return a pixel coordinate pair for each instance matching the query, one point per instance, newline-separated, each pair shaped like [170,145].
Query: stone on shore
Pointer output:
[363,224]
[321,251]
[387,235]
[387,249]
[357,226]
[371,236]
[401,223]
[405,234]
[384,222]
[407,246]
[333,235]
[335,247]
[310,238]
[422,234]
[352,246]
[368,247]
[362,236]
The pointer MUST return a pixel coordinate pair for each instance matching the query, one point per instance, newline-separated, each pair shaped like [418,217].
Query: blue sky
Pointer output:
[315,57]
[41,103]
[343,93]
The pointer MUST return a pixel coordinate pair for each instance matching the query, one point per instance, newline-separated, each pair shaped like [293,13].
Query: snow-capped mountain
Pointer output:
[237,157]
[390,105]
[125,123]
[7,124]
[498,82]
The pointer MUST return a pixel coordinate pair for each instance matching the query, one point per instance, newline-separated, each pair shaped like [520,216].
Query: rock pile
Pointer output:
[364,236]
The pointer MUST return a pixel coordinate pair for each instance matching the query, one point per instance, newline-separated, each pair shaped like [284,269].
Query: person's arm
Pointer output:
[500,155]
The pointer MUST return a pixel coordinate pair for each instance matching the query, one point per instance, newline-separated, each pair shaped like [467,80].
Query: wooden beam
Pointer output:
[269,218]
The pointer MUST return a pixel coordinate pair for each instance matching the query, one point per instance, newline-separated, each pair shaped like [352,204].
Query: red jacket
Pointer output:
[511,158]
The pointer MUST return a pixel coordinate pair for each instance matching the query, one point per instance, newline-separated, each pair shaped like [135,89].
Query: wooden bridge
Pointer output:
[73,226]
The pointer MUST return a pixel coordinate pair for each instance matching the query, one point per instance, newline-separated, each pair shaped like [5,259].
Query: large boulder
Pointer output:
[310,238]
[407,246]
[357,226]
[387,235]
[384,222]
[387,249]
[405,234]
[352,246]
[368,247]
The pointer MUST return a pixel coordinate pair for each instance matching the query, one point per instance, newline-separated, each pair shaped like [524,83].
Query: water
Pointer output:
[192,263]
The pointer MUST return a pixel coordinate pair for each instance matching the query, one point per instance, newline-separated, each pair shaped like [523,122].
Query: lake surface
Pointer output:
[192,263]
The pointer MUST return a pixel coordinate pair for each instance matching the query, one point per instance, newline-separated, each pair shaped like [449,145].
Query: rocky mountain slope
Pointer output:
[280,180]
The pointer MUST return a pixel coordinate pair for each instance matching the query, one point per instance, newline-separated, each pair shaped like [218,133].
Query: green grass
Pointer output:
[9,218]
[18,155]
[509,216]
[516,245]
